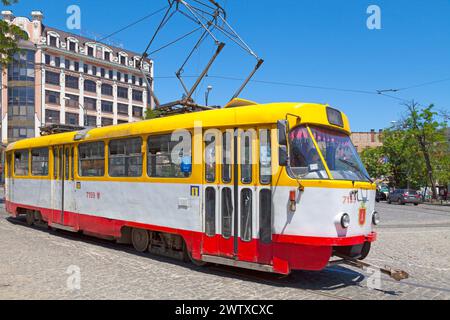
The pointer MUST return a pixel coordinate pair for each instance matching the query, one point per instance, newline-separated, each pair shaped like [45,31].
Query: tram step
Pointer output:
[62,227]
[239,264]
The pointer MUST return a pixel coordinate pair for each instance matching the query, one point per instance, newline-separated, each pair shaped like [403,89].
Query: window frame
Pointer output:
[27,151]
[40,161]
[80,168]
[127,156]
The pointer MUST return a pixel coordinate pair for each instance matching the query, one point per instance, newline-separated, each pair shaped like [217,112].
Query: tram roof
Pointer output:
[242,116]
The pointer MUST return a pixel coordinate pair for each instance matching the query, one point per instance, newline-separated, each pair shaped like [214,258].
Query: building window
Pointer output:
[107,122]
[123,60]
[76,66]
[39,162]
[91,159]
[137,112]
[51,116]
[67,64]
[125,158]
[85,68]
[141,81]
[72,118]
[90,86]
[126,77]
[111,74]
[121,121]
[52,78]
[162,163]
[21,163]
[102,72]
[122,108]
[133,79]
[52,97]
[90,104]
[137,95]
[107,106]
[47,59]
[72,46]
[53,41]
[72,82]
[122,92]
[119,76]
[91,121]
[107,89]
[72,101]
[107,56]
[57,62]
[90,51]
[94,70]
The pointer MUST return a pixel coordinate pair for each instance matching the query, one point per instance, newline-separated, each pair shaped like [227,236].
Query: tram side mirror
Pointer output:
[282,126]
[282,156]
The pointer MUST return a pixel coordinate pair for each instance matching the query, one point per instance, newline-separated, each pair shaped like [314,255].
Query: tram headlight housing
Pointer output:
[345,221]
[376,218]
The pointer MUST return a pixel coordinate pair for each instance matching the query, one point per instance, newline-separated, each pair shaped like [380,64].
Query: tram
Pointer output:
[273,187]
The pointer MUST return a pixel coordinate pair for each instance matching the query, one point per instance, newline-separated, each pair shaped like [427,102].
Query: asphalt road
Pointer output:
[40,264]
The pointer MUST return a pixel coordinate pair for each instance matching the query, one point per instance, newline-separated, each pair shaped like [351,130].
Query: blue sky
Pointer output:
[320,43]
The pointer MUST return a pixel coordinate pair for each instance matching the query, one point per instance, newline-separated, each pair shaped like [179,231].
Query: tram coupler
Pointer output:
[395,274]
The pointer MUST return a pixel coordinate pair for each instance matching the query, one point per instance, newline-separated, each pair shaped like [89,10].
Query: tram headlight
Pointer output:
[376,218]
[345,221]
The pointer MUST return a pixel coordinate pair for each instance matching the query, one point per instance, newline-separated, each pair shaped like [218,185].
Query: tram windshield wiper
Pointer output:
[355,167]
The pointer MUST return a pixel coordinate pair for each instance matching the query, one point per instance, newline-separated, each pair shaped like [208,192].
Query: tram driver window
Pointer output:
[91,159]
[168,158]
[21,163]
[39,162]
[125,158]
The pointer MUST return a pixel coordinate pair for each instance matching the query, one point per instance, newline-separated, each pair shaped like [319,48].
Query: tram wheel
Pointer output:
[30,218]
[140,239]
[365,251]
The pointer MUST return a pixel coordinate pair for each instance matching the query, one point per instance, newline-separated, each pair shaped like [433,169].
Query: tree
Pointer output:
[422,126]
[406,169]
[10,35]
[151,114]
[374,161]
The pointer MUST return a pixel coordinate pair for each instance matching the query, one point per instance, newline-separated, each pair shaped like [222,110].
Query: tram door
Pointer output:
[236,211]
[57,194]
[10,181]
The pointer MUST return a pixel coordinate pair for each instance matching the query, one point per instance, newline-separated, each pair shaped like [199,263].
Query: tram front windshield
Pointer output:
[336,148]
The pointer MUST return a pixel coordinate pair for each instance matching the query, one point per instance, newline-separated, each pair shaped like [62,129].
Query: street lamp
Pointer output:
[82,108]
[208,90]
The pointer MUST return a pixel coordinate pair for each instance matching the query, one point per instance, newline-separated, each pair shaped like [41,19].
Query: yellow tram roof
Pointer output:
[241,113]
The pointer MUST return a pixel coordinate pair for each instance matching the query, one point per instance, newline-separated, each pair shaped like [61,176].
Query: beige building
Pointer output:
[63,78]
[363,140]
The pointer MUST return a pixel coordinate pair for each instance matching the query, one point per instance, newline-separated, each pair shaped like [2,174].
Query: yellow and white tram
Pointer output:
[274,187]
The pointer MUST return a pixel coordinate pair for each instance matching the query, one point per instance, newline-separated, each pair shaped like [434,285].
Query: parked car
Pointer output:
[380,196]
[403,196]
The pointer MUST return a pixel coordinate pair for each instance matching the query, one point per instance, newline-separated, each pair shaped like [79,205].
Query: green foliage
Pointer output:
[417,150]
[373,161]
[151,114]
[10,35]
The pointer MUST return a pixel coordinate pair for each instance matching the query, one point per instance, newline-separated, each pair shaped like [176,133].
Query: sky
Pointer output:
[321,51]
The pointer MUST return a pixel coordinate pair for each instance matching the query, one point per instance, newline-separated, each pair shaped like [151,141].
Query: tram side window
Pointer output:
[91,159]
[169,159]
[21,163]
[210,158]
[265,157]
[246,157]
[39,162]
[125,158]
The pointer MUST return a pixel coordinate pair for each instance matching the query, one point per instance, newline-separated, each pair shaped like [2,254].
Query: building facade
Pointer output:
[363,140]
[62,78]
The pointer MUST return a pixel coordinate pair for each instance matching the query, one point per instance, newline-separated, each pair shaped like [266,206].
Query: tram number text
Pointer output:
[93,195]
[349,199]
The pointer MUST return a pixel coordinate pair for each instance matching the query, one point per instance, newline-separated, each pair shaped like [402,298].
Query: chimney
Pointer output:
[372,135]
[37,16]
[8,15]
